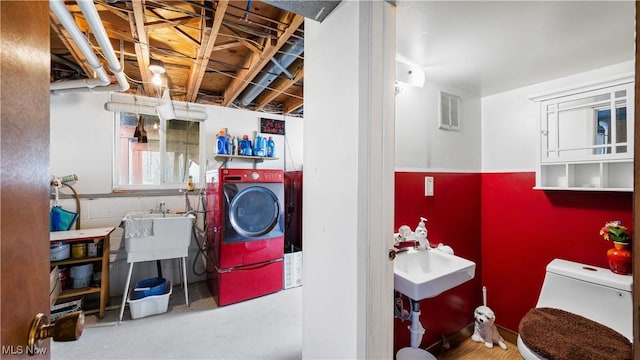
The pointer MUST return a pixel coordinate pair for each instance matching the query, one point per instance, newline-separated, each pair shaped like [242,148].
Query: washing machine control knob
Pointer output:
[255,175]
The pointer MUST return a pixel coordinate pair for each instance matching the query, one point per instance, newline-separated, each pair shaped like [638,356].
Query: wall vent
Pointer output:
[449,109]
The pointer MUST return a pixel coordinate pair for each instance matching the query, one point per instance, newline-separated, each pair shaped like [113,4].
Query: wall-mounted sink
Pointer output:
[421,274]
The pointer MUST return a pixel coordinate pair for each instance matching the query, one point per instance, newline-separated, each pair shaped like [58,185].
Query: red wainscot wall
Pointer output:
[524,229]
[453,218]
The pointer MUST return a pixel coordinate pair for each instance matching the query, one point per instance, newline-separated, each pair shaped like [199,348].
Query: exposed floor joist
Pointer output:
[212,50]
[138,31]
[199,67]
[257,62]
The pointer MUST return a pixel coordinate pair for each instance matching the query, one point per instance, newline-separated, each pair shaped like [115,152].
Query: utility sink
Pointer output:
[421,274]
[151,236]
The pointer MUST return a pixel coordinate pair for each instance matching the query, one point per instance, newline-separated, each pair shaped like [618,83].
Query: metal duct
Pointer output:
[289,54]
[311,9]
[101,83]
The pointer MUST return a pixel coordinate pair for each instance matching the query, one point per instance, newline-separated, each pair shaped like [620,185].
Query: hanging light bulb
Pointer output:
[157,68]
[156,80]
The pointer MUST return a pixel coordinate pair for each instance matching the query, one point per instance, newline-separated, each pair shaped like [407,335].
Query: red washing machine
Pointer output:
[246,234]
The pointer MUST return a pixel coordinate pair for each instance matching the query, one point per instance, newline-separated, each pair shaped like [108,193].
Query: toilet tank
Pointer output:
[593,292]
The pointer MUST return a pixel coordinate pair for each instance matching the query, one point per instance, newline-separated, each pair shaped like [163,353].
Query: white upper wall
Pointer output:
[510,120]
[82,140]
[421,145]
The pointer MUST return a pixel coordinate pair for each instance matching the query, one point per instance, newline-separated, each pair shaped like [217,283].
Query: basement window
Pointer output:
[449,111]
[153,153]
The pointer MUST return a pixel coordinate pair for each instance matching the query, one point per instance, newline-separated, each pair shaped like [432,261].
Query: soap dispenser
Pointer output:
[421,234]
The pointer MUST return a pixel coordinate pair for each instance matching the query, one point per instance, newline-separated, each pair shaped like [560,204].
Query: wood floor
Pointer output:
[470,350]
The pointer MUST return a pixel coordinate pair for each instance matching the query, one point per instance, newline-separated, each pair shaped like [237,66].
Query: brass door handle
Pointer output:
[66,328]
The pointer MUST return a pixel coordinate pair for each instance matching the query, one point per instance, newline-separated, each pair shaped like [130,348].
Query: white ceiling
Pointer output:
[486,47]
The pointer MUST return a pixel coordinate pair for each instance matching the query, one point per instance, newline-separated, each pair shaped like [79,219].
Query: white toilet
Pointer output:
[594,293]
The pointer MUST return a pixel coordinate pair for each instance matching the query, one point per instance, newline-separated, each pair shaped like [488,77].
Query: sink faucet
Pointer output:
[162,209]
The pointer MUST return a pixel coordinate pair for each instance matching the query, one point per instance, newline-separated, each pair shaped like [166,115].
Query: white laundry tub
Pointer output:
[157,236]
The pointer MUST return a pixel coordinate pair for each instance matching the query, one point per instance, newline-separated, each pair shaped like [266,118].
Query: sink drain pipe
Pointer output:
[416,329]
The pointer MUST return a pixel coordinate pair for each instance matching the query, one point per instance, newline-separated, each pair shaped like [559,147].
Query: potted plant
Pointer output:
[619,257]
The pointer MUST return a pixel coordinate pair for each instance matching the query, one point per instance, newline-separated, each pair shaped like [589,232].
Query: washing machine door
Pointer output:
[253,213]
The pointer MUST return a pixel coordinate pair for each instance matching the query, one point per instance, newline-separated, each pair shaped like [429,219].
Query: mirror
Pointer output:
[582,126]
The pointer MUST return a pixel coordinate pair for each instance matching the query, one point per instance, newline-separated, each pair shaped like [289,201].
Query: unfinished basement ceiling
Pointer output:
[244,54]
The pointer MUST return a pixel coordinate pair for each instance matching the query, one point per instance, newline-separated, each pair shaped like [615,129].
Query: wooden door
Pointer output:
[636,199]
[24,173]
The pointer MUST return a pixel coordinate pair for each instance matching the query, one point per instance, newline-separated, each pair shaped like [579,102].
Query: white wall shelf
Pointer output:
[587,176]
[255,159]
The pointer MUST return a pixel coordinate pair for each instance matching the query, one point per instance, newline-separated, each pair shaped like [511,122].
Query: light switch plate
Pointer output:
[428,186]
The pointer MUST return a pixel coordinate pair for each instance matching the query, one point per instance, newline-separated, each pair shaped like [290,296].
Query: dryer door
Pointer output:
[253,213]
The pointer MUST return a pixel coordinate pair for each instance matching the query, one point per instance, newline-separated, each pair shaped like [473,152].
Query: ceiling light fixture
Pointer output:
[156,80]
[157,68]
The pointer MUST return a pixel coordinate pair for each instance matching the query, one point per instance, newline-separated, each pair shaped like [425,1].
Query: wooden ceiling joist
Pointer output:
[165,23]
[136,22]
[292,105]
[204,52]
[256,62]
[229,45]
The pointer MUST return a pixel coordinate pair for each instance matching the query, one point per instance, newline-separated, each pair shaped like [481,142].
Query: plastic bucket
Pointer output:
[82,275]
[60,251]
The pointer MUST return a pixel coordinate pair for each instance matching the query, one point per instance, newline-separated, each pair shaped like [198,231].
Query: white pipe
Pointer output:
[416,329]
[65,18]
[103,79]
[63,88]
[82,83]
[88,8]
[184,114]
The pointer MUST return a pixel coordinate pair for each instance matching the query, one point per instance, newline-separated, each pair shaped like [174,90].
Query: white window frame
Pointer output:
[163,186]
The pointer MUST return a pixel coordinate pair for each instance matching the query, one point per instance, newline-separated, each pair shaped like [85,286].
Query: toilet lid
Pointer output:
[560,335]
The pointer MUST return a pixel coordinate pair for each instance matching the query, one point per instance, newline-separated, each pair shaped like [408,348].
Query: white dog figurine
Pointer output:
[485,330]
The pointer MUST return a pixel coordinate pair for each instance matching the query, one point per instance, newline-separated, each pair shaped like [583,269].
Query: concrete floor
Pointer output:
[268,327]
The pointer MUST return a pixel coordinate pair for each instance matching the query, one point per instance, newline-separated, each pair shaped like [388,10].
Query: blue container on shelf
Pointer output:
[271,147]
[222,143]
[259,146]
[245,146]
[149,287]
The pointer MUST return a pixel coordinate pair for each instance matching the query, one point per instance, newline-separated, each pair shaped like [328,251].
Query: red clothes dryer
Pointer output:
[246,234]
